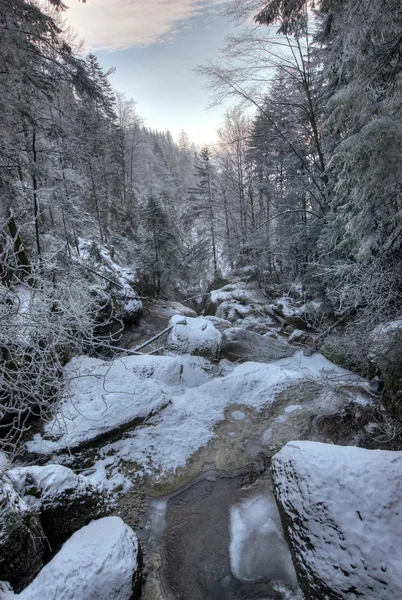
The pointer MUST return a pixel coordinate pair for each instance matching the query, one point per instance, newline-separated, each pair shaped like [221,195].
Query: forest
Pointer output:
[174,316]
[304,187]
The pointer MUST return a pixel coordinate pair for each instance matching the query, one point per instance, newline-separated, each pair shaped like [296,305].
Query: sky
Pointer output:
[154,45]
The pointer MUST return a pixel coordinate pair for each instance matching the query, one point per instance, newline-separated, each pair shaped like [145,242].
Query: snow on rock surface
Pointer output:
[240,345]
[21,534]
[238,292]
[186,423]
[50,481]
[193,336]
[100,260]
[257,544]
[342,508]
[98,562]
[65,501]
[383,337]
[100,397]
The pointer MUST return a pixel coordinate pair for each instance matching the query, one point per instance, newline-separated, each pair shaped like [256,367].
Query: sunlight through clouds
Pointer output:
[120,24]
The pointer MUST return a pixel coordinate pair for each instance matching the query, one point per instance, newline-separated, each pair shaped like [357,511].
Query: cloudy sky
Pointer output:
[154,44]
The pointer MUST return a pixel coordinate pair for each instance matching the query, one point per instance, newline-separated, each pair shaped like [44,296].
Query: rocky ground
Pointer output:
[187,438]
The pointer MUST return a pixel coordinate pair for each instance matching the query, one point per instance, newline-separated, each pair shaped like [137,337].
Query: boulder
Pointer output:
[101,400]
[21,538]
[65,501]
[301,337]
[98,562]
[154,319]
[240,345]
[384,339]
[232,311]
[341,509]
[193,336]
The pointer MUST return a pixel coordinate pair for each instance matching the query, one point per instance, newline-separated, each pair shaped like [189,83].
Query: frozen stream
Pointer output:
[220,538]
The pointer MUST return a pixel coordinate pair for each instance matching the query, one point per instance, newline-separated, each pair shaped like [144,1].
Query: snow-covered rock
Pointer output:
[98,562]
[382,338]
[100,397]
[174,434]
[300,337]
[342,510]
[65,501]
[112,278]
[193,336]
[232,311]
[172,372]
[240,345]
[21,537]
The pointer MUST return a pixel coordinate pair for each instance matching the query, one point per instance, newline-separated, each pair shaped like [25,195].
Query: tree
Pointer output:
[160,248]
[204,199]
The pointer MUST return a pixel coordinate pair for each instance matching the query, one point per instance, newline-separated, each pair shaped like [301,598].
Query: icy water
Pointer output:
[220,538]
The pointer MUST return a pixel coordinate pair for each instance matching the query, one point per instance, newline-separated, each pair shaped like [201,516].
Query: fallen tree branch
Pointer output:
[194,297]
[329,329]
[102,276]
[152,339]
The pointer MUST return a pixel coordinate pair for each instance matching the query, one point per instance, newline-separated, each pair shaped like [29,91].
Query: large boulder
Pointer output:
[382,339]
[341,508]
[98,562]
[240,345]
[65,501]
[21,538]
[101,400]
[193,336]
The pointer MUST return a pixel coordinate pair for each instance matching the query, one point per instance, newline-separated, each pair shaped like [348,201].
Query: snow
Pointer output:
[292,407]
[186,424]
[100,259]
[344,508]
[388,327]
[231,291]
[100,396]
[97,563]
[182,371]
[106,474]
[4,462]
[286,306]
[231,311]
[51,480]
[193,402]
[22,309]
[193,336]
[296,334]
[10,501]
[257,544]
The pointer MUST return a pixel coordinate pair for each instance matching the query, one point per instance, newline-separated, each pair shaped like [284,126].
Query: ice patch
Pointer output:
[292,407]
[237,415]
[156,521]
[257,545]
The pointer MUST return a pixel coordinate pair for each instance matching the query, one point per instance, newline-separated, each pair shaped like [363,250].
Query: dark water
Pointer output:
[192,531]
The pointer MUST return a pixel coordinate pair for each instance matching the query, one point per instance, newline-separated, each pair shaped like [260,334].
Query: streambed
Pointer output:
[218,537]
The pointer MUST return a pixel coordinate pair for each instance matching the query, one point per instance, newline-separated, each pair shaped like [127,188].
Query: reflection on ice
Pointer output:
[257,546]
